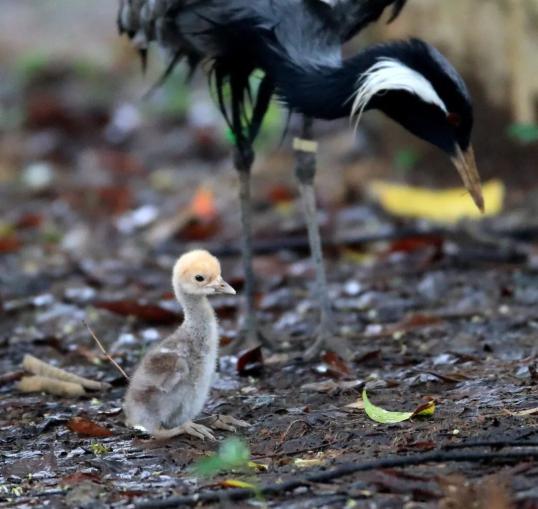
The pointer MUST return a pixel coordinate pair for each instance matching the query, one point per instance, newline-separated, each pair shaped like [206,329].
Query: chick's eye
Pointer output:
[199,278]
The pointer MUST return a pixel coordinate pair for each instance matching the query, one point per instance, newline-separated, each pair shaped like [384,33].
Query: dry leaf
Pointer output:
[88,428]
[50,386]
[38,367]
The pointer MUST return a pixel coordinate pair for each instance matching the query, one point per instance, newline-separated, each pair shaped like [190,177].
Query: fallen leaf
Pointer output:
[250,362]
[412,244]
[150,313]
[50,386]
[235,483]
[9,243]
[356,405]
[307,463]
[337,366]
[446,206]
[202,205]
[260,467]
[87,428]
[383,416]
[523,413]
[425,410]
[79,477]
[329,386]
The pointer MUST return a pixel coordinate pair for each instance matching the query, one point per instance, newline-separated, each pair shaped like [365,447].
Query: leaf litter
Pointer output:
[454,317]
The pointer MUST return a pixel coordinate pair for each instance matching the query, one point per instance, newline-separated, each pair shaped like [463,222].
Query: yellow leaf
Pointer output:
[446,206]
[235,483]
[260,467]
[356,405]
[425,410]
[307,463]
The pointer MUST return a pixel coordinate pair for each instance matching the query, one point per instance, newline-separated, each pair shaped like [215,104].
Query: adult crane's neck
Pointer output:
[324,92]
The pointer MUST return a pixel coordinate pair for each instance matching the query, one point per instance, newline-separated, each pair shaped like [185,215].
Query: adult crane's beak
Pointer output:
[466,165]
[221,286]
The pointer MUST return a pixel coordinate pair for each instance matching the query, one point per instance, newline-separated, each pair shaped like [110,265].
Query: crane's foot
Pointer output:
[189,428]
[328,340]
[226,422]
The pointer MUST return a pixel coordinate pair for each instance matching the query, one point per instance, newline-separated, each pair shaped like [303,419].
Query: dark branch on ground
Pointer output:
[336,473]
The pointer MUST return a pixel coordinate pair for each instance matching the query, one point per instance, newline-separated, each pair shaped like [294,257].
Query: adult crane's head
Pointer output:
[415,85]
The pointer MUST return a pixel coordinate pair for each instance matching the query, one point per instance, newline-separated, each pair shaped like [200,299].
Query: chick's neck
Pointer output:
[198,313]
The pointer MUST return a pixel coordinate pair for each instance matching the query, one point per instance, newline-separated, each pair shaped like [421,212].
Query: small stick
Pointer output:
[105,353]
[38,367]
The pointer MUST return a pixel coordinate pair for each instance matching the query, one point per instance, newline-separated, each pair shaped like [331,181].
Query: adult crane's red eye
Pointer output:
[454,119]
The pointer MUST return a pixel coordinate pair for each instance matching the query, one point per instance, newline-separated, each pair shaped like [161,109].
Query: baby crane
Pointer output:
[297,45]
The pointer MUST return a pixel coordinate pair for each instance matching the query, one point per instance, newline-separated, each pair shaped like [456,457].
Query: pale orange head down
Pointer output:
[198,273]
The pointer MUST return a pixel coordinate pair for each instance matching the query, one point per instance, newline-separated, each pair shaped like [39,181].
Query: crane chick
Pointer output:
[171,384]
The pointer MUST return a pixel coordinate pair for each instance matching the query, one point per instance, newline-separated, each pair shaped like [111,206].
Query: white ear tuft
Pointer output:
[391,74]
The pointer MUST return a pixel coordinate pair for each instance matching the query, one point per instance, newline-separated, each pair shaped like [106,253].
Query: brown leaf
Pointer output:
[412,244]
[250,362]
[9,243]
[29,220]
[150,313]
[280,194]
[413,321]
[115,199]
[334,365]
[120,162]
[87,428]
[79,477]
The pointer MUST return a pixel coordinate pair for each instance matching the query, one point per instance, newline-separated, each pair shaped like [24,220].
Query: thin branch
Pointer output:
[335,473]
[495,444]
[102,348]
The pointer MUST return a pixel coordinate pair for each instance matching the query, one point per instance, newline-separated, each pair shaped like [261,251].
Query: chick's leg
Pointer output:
[189,428]
[305,172]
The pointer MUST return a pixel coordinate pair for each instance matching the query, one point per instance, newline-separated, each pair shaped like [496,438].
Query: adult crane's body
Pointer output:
[297,45]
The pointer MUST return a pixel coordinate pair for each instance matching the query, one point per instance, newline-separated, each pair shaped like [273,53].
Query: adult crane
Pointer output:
[297,45]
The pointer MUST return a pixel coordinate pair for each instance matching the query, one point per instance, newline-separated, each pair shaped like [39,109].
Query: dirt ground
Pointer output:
[96,205]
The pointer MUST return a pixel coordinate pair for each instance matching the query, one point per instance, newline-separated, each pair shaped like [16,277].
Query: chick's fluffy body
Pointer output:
[172,382]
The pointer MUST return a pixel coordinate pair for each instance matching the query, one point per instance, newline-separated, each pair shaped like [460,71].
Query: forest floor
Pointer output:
[95,208]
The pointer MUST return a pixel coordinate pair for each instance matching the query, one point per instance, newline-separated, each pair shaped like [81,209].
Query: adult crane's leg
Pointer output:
[244,157]
[305,171]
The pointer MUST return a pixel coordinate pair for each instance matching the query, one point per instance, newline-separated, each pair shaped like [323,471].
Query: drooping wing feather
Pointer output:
[165,368]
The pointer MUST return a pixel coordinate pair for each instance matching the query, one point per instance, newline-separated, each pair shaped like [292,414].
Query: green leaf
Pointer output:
[232,454]
[381,415]
[385,417]
[524,133]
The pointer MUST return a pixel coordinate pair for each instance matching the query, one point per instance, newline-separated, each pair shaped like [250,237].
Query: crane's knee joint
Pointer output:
[244,159]
[305,171]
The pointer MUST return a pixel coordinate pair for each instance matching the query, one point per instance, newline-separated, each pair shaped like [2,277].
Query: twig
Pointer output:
[335,473]
[491,443]
[105,353]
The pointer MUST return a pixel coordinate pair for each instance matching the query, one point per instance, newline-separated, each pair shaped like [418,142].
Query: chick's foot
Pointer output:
[189,428]
[226,422]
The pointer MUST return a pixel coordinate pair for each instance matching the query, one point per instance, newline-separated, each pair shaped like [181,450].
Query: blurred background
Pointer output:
[90,164]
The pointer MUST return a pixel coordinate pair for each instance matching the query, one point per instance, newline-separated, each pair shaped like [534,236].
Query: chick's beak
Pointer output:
[466,165]
[222,286]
